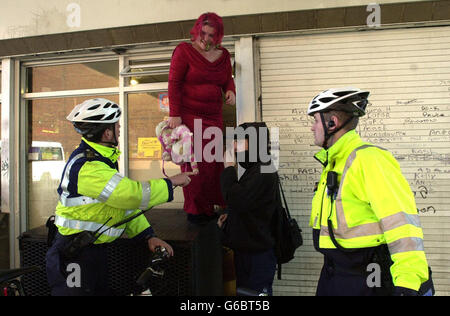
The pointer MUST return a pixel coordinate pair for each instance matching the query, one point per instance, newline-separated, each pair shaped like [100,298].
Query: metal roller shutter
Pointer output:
[408,74]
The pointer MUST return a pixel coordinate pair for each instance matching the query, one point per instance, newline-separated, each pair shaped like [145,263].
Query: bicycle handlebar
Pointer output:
[8,275]
[160,256]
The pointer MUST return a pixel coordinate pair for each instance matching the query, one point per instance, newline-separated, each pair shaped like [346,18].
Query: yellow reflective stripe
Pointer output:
[146,190]
[110,187]
[315,221]
[343,230]
[88,226]
[77,201]
[399,219]
[359,242]
[392,225]
[65,180]
[406,244]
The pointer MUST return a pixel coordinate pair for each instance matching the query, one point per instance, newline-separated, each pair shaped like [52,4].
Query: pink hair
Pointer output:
[214,21]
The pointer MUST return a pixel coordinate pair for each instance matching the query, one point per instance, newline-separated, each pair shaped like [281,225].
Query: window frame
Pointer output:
[160,52]
[121,90]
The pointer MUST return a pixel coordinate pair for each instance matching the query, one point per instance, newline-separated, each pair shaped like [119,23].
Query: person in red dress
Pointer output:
[200,78]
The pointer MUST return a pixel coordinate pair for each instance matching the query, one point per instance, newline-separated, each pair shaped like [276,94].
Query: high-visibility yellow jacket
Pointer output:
[373,206]
[93,192]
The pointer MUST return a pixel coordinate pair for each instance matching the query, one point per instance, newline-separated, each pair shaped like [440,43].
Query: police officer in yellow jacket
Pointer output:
[94,196]
[364,216]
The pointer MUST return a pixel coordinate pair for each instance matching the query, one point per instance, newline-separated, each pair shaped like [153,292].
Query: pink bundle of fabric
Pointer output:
[177,145]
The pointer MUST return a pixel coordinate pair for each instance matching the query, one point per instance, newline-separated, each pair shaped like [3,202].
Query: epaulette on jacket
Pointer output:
[91,155]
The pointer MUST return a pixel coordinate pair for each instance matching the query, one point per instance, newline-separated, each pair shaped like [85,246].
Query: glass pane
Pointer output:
[52,139]
[145,112]
[73,76]
[159,71]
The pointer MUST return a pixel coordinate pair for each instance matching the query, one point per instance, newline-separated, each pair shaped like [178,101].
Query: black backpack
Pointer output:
[288,236]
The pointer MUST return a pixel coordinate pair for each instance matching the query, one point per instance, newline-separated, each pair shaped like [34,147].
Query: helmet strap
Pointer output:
[325,131]
[327,134]
[115,142]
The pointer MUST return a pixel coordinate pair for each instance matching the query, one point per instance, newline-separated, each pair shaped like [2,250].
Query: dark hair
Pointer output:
[93,132]
[250,129]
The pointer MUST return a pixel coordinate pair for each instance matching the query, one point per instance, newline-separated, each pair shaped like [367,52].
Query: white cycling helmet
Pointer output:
[351,100]
[93,116]
[97,110]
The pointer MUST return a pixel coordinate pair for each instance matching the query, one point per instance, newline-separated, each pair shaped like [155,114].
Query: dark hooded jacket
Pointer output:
[251,203]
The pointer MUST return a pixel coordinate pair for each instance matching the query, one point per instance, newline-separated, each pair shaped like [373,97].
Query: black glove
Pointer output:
[403,291]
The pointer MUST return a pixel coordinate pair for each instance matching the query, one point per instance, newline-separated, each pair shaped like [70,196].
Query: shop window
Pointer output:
[146,71]
[51,140]
[145,112]
[91,75]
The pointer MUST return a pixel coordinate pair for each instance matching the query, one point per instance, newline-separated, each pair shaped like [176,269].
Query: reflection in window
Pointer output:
[46,151]
[145,112]
[73,76]
[51,141]
[147,71]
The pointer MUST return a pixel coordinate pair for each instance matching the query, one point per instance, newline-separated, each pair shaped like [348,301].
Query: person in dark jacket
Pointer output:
[251,203]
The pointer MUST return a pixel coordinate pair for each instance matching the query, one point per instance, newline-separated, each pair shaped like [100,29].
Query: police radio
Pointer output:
[333,187]
[332,184]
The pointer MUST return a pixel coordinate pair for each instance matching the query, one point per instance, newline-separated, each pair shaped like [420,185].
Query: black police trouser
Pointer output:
[255,271]
[86,275]
[345,273]
[336,280]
